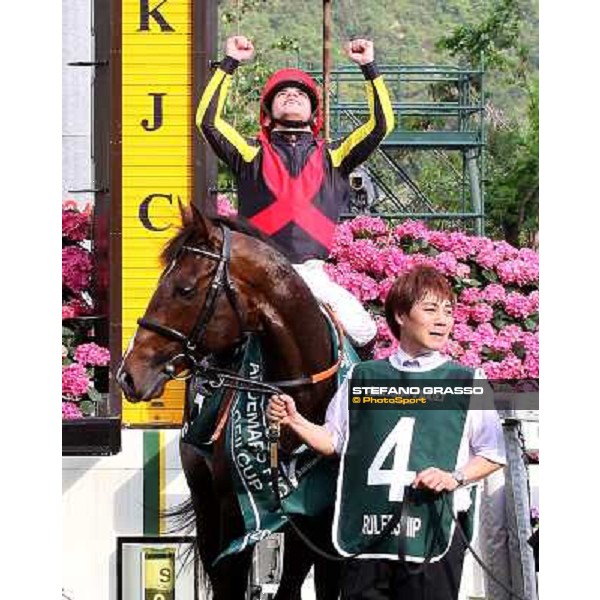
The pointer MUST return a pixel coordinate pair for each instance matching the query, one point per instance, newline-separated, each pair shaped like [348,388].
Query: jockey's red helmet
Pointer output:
[291,78]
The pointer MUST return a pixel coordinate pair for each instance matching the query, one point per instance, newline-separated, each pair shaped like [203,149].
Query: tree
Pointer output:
[512,179]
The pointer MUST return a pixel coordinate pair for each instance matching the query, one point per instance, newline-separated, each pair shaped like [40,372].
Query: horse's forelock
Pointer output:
[173,246]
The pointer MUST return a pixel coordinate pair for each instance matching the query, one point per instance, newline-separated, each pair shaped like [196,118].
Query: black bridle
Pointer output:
[221,282]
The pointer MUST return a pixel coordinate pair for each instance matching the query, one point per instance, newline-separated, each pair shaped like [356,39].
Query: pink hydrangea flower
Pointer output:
[384,289]
[364,256]
[370,226]
[531,366]
[512,333]
[461,313]
[76,267]
[410,228]
[493,293]
[534,301]
[456,242]
[462,332]
[470,295]
[75,225]
[342,242]
[367,257]
[482,313]
[70,410]
[508,368]
[531,342]
[520,272]
[422,259]
[505,250]
[485,333]
[446,263]
[224,206]
[471,358]
[463,270]
[517,305]
[365,288]
[75,381]
[487,255]
[93,355]
[453,349]
[68,312]
[501,344]
[387,344]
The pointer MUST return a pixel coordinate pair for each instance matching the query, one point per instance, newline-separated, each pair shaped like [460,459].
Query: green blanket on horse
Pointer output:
[306,481]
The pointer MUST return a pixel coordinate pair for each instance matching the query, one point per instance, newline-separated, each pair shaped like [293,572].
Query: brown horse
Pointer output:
[222,279]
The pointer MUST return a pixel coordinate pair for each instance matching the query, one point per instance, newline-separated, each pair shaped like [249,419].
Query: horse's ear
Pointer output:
[183,211]
[203,224]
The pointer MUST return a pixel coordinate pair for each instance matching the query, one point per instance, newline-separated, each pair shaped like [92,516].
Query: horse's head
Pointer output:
[195,311]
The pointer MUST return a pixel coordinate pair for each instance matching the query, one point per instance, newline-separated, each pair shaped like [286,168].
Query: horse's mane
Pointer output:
[190,229]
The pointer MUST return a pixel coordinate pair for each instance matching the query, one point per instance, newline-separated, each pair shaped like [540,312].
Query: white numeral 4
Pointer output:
[399,441]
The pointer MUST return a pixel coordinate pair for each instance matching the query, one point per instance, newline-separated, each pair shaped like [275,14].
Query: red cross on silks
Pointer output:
[293,196]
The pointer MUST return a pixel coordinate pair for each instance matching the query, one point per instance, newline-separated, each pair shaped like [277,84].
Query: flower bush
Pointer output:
[496,285]
[80,356]
[496,316]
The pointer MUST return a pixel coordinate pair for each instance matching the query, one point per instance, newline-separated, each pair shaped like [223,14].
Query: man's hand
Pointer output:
[239,47]
[282,409]
[436,480]
[360,51]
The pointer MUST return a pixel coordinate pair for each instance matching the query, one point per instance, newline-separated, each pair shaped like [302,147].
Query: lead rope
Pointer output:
[479,560]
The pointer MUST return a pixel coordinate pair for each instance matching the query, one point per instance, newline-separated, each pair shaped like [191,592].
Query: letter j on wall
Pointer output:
[157,164]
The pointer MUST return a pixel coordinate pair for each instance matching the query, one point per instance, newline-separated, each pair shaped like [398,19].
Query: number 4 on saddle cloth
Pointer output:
[306,481]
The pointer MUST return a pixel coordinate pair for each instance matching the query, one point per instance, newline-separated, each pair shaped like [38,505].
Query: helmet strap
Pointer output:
[292,124]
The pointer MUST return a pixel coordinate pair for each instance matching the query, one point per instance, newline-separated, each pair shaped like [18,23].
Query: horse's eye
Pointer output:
[185,291]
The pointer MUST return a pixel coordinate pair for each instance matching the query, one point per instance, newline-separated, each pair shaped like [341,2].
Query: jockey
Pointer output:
[291,184]
[431,451]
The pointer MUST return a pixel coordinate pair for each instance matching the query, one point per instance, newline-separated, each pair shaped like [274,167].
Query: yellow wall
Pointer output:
[154,162]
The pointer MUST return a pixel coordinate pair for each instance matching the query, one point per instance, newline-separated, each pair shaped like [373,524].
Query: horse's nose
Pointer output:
[125,380]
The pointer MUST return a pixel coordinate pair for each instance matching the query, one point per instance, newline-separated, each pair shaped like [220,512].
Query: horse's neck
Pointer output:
[297,342]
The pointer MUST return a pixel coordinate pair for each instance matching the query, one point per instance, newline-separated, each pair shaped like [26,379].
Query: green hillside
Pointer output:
[404,32]
[434,32]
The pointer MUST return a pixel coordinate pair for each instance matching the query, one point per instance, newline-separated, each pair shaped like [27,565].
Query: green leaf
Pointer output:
[67,333]
[489,275]
[530,324]
[87,407]
[499,321]
[519,350]
[472,282]
[94,394]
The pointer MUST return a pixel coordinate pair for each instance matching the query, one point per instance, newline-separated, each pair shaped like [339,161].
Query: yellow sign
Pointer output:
[159,574]
[157,130]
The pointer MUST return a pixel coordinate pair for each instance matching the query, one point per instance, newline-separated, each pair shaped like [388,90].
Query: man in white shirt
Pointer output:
[419,313]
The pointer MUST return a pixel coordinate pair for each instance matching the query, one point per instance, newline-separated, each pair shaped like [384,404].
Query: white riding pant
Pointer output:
[356,321]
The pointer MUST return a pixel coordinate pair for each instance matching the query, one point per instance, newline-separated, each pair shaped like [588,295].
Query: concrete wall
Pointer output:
[76,100]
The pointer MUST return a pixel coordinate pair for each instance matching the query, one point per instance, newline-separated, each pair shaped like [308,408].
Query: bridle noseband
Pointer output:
[221,282]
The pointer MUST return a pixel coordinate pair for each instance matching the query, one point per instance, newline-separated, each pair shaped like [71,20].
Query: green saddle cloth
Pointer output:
[307,481]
